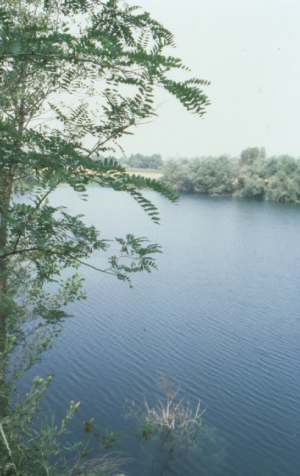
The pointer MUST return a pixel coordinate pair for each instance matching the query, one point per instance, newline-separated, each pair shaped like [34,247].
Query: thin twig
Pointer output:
[6,444]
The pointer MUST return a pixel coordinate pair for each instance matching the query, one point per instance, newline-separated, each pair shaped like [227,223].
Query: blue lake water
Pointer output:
[220,317]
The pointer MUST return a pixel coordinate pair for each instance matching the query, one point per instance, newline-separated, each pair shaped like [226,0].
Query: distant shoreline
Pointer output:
[147,173]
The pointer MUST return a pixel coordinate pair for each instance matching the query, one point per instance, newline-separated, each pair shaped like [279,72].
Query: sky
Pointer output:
[249,50]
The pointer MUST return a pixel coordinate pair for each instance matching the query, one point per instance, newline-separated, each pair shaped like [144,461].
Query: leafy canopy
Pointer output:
[75,77]
[253,175]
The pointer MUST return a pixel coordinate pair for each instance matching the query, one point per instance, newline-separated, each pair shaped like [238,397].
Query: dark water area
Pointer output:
[221,318]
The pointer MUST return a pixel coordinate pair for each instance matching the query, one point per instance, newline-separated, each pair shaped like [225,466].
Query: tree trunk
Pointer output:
[6,189]
[5,197]
[3,360]
[3,342]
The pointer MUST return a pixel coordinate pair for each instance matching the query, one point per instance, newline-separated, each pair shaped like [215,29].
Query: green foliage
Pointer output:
[251,186]
[177,174]
[252,176]
[141,161]
[209,175]
[212,176]
[148,430]
[32,446]
[92,70]
[252,154]
[109,439]
[274,178]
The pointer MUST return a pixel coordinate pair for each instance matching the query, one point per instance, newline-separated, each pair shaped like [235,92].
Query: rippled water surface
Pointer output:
[221,317]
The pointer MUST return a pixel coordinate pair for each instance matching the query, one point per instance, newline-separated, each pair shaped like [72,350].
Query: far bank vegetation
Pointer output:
[251,175]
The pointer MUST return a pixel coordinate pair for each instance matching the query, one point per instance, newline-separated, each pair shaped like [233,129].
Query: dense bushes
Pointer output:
[253,175]
[140,161]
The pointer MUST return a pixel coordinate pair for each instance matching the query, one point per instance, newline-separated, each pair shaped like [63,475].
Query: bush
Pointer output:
[252,176]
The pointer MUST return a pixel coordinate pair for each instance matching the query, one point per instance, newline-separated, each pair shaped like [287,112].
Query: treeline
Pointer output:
[140,161]
[252,175]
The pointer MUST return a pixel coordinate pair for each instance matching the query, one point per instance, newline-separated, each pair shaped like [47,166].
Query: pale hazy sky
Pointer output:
[250,51]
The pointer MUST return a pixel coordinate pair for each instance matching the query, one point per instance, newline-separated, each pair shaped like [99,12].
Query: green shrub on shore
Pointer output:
[253,175]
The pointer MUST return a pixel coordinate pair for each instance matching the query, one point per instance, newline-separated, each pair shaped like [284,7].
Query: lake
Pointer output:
[220,318]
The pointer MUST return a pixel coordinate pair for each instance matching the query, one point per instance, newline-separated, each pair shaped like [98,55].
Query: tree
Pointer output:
[75,77]
[206,175]
[213,176]
[51,52]
[145,161]
[276,178]
[252,154]
[176,173]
